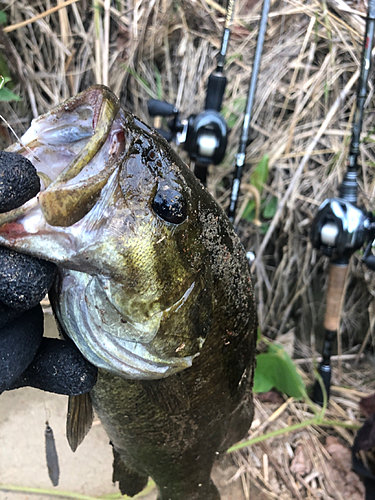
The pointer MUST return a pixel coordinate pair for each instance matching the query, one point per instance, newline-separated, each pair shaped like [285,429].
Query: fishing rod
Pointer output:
[340,226]
[240,157]
[204,136]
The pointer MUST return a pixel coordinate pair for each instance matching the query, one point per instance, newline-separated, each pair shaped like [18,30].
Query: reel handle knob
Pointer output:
[317,395]
[160,108]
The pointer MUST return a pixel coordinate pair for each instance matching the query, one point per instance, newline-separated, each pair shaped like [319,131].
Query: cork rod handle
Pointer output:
[335,294]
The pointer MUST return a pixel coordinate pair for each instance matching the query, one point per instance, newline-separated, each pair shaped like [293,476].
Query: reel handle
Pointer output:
[160,108]
[335,294]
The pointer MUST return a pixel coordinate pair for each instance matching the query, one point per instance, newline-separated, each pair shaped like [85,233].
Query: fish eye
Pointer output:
[170,205]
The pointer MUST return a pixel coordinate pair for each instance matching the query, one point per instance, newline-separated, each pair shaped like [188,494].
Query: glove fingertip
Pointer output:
[18,180]
[19,342]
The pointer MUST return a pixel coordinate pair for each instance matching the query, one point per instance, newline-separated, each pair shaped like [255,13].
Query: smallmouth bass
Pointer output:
[153,288]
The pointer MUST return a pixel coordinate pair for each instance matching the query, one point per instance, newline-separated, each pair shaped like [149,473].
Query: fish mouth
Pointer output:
[61,145]
[76,148]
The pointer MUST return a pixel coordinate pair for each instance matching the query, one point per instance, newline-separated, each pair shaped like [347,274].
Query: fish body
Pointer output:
[153,287]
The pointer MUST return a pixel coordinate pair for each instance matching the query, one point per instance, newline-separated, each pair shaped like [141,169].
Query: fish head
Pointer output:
[121,216]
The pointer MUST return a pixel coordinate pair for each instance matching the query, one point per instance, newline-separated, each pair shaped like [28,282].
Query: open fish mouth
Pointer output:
[123,277]
[61,145]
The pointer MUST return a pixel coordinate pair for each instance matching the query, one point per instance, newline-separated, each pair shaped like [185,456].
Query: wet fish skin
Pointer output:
[194,415]
[183,287]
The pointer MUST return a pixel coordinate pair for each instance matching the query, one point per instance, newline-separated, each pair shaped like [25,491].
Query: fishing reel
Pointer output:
[340,228]
[203,136]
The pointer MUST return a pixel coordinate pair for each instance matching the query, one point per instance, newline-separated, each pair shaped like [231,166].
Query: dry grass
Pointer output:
[302,120]
[312,462]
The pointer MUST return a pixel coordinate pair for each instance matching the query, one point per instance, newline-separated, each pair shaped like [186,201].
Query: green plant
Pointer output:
[235,111]
[6,95]
[260,207]
[72,495]
[276,370]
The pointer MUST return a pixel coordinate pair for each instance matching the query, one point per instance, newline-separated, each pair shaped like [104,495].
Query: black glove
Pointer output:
[26,357]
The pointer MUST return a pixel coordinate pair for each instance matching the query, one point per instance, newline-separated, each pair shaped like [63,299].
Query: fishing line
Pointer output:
[11,129]
[18,138]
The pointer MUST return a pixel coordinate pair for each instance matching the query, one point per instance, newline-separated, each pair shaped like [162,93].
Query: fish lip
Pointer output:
[90,134]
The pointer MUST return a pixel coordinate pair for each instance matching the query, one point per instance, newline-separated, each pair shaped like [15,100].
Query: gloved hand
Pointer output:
[26,357]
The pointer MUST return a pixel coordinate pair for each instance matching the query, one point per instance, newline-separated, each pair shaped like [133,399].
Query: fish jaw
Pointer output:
[26,230]
[76,148]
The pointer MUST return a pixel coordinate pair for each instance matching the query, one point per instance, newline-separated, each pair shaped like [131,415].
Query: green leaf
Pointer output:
[142,81]
[159,86]
[236,56]
[3,17]
[258,179]
[249,212]
[7,95]
[275,369]
[270,208]
[260,175]
[236,111]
